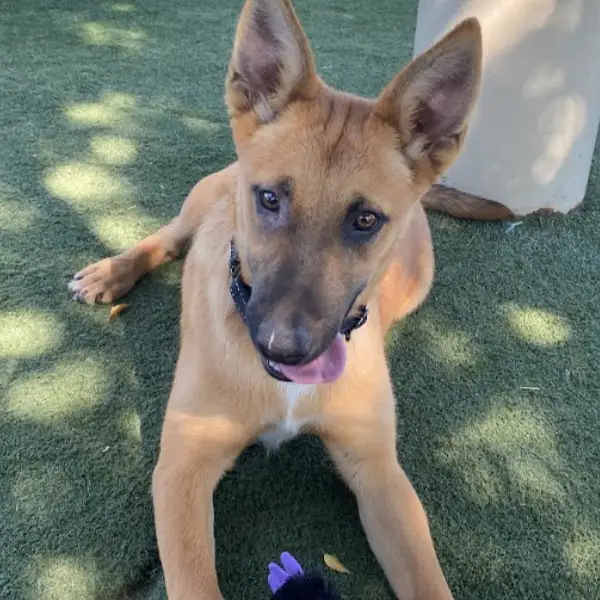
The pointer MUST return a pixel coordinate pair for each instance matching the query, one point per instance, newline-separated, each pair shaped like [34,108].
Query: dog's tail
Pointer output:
[464,206]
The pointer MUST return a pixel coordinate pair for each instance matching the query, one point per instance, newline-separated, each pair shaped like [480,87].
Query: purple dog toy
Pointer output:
[290,582]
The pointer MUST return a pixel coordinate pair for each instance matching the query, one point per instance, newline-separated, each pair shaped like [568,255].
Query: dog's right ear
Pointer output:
[271,62]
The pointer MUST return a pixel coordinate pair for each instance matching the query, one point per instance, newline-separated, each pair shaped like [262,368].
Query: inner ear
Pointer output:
[430,100]
[271,61]
[443,106]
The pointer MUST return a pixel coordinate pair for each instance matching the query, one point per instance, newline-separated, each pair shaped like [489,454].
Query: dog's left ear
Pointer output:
[271,61]
[430,100]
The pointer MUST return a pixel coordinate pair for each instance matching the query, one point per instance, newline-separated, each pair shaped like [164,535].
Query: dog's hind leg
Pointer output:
[113,277]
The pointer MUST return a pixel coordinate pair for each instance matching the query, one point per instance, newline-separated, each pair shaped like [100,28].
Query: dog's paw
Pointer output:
[102,282]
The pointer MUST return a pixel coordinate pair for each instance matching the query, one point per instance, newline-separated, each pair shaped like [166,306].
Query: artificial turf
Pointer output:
[109,113]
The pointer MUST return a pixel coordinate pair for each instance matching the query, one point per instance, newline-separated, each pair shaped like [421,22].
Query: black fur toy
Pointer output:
[290,582]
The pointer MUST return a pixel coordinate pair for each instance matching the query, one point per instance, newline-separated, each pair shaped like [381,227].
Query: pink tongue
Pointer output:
[326,368]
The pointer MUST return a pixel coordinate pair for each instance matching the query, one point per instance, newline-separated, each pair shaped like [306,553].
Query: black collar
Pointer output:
[240,293]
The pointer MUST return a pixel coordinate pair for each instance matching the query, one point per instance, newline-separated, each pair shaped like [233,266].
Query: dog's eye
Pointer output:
[362,223]
[268,200]
[366,221]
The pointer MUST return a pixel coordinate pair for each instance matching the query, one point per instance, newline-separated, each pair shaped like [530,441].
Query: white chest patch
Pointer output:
[292,395]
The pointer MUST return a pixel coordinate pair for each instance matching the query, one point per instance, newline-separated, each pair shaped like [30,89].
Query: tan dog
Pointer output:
[324,211]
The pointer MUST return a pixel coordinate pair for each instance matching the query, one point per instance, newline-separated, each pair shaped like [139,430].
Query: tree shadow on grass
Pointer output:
[508,475]
[85,171]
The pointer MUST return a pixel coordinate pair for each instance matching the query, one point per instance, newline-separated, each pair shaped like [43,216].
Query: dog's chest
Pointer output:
[293,395]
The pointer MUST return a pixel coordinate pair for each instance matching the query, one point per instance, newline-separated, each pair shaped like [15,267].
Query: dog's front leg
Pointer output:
[183,509]
[361,437]
[200,440]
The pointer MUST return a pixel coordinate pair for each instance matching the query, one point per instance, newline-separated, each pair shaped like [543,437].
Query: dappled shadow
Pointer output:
[503,438]
[495,376]
[95,157]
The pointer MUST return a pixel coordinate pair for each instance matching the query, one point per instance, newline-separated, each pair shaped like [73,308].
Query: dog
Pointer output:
[302,254]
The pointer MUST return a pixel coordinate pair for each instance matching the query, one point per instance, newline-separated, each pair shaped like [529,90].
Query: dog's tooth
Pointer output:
[274,366]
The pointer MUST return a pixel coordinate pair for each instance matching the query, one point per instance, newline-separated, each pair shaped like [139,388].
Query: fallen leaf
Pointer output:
[115,310]
[334,564]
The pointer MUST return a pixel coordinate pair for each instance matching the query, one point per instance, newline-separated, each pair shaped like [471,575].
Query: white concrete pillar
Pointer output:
[533,131]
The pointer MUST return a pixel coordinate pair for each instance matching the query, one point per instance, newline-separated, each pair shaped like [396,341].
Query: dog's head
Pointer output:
[328,179]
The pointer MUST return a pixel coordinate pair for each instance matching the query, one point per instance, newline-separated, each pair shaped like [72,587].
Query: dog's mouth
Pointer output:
[326,368]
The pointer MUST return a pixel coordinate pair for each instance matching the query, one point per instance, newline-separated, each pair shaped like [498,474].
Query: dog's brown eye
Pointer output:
[268,200]
[366,221]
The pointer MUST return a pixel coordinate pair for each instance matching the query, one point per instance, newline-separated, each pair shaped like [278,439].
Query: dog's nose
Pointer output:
[283,344]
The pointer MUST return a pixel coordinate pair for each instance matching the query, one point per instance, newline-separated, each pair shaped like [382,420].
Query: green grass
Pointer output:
[110,112]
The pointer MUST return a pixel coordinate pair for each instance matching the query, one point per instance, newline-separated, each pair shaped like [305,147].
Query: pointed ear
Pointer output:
[430,100]
[271,62]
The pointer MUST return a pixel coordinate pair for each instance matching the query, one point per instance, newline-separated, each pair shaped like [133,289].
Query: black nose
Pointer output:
[281,343]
